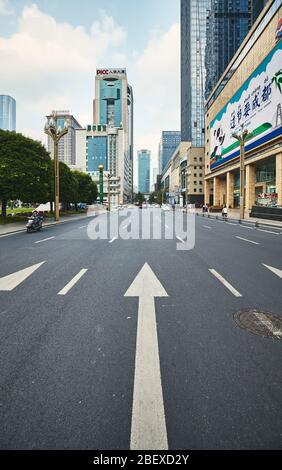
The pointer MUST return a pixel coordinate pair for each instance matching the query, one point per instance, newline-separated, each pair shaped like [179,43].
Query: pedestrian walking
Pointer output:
[224,211]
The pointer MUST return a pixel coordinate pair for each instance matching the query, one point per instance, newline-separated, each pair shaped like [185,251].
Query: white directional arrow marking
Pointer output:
[276,271]
[13,280]
[148,427]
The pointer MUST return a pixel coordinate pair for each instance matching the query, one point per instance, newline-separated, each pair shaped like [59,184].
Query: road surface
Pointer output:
[69,347]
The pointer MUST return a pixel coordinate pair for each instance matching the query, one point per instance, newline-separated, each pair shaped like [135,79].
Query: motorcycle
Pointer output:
[34,224]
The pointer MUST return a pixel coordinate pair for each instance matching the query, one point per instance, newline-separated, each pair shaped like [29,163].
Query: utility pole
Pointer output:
[186,188]
[101,184]
[56,133]
[242,139]
[109,191]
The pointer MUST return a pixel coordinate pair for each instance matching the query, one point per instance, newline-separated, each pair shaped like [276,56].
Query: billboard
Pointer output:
[256,105]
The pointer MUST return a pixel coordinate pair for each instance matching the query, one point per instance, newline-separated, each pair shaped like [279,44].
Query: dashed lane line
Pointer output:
[225,283]
[246,240]
[72,282]
[44,240]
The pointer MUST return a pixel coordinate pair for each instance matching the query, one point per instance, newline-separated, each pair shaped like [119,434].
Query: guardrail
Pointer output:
[255,223]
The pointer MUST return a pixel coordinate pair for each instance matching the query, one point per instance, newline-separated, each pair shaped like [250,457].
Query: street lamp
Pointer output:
[242,139]
[101,183]
[186,188]
[56,133]
[109,192]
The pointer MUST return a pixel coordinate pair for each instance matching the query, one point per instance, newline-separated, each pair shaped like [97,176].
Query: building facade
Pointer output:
[249,93]
[193,75]
[7,113]
[67,144]
[228,23]
[113,106]
[183,178]
[144,166]
[168,143]
[104,145]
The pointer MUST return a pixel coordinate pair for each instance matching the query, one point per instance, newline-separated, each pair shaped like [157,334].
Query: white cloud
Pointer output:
[5,9]
[49,65]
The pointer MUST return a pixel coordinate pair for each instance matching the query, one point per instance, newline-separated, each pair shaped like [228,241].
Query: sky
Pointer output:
[50,49]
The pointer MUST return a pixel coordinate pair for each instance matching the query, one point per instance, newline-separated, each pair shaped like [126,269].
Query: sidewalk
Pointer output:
[21,226]
[235,215]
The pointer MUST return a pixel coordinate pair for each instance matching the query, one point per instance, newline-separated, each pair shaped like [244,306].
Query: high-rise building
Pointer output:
[193,44]
[66,145]
[168,143]
[103,145]
[228,23]
[144,165]
[7,113]
[113,106]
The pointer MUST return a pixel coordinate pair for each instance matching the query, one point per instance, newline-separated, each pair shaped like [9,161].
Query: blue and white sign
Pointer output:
[257,105]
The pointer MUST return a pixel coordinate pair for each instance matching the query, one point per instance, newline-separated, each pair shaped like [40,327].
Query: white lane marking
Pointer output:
[246,226]
[113,239]
[83,226]
[232,223]
[72,282]
[267,231]
[11,281]
[180,239]
[246,240]
[13,233]
[276,271]
[166,226]
[206,226]
[148,425]
[225,283]
[44,240]
[269,325]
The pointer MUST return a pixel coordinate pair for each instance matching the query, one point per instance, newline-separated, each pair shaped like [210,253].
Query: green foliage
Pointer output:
[161,197]
[87,189]
[152,198]
[25,169]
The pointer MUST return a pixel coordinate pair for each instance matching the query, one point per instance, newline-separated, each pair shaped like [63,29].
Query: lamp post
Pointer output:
[101,184]
[242,139]
[186,188]
[109,192]
[56,133]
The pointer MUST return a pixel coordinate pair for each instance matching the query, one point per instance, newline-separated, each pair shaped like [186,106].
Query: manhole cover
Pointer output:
[260,323]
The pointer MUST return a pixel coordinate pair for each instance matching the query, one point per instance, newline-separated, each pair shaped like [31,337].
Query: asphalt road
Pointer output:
[68,361]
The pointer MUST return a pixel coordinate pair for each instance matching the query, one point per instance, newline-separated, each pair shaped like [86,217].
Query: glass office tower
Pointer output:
[228,23]
[168,144]
[144,164]
[7,113]
[193,45]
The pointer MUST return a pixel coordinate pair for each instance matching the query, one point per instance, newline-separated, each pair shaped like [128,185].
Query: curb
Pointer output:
[256,223]
[49,224]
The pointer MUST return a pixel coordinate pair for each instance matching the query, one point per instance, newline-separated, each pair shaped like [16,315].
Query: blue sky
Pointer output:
[49,51]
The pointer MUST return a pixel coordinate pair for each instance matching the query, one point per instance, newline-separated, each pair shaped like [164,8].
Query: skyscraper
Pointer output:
[113,106]
[66,145]
[168,143]
[193,44]
[144,164]
[228,23]
[7,113]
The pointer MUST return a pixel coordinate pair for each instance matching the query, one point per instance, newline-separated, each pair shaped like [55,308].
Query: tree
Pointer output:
[140,198]
[87,189]
[68,186]
[152,198]
[161,197]
[25,169]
